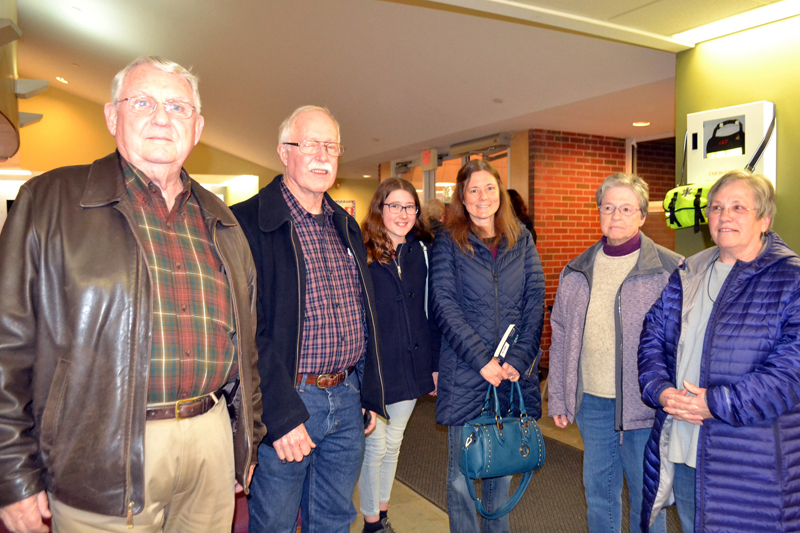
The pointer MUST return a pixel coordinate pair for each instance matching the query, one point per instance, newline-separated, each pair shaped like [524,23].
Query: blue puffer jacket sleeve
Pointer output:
[523,354]
[447,307]
[656,345]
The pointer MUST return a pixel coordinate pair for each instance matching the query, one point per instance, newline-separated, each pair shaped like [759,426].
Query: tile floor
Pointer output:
[411,513]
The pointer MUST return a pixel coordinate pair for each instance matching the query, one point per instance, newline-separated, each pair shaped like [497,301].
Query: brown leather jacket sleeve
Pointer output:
[20,477]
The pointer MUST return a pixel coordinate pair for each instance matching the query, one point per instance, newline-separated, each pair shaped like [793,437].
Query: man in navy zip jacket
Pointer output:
[316,336]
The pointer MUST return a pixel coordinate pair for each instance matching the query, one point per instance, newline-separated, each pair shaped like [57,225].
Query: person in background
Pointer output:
[720,361]
[317,342]
[602,297]
[127,323]
[433,214]
[397,254]
[485,276]
[521,211]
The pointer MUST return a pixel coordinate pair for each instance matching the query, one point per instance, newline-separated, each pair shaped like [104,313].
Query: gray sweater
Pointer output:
[642,286]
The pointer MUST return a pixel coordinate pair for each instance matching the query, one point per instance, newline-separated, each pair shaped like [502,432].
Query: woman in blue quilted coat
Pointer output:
[485,275]
[720,360]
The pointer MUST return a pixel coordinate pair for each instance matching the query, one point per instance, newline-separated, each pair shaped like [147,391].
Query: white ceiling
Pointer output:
[400,75]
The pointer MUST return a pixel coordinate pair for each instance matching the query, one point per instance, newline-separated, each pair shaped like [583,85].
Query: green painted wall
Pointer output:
[757,64]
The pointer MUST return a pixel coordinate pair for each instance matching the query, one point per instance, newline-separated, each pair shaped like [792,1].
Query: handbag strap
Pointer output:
[508,505]
[491,393]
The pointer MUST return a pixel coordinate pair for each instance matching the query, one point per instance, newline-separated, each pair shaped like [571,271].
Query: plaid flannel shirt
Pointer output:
[193,352]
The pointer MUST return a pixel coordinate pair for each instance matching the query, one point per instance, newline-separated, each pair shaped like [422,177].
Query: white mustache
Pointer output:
[321,166]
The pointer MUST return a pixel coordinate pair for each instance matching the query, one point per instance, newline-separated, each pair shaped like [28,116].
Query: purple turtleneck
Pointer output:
[627,247]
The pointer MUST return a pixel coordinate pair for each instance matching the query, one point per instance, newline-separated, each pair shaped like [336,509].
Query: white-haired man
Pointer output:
[316,336]
[127,332]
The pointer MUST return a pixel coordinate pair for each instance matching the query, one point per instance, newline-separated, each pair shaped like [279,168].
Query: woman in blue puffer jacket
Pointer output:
[719,358]
[485,275]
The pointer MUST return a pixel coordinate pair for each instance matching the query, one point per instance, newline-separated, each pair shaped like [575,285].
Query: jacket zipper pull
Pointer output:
[130,515]
[621,433]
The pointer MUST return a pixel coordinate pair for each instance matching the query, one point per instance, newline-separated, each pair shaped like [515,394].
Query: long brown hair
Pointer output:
[376,239]
[459,223]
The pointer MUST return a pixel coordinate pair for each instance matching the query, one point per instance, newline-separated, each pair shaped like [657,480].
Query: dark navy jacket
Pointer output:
[409,348]
[281,276]
[748,454]
[475,298]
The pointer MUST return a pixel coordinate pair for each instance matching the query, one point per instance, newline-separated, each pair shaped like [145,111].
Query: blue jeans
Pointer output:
[460,506]
[322,484]
[605,460]
[380,457]
[683,488]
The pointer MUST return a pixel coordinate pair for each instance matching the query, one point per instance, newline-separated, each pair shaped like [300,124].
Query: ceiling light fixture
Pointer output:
[742,21]
[445,184]
[62,80]
[367,175]
[641,124]
[5,172]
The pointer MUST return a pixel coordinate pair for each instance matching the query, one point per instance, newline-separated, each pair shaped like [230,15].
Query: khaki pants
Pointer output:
[189,481]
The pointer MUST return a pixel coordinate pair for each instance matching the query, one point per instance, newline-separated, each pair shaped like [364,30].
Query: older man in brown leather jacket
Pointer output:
[129,391]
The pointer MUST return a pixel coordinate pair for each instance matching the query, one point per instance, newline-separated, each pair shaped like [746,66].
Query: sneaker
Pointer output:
[386,527]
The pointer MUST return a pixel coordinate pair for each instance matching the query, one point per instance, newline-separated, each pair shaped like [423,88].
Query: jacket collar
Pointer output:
[273,211]
[647,263]
[106,185]
[774,250]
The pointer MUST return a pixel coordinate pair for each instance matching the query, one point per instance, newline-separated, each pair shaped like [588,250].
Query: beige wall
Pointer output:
[518,162]
[73,132]
[753,65]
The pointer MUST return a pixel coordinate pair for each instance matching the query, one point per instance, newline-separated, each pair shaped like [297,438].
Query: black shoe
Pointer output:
[386,527]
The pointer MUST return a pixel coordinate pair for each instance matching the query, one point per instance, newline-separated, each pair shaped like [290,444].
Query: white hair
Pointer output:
[161,64]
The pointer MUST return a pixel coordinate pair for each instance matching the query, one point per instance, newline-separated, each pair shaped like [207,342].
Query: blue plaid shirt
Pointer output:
[334,329]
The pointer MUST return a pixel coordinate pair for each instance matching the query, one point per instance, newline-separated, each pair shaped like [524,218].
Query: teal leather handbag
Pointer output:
[492,446]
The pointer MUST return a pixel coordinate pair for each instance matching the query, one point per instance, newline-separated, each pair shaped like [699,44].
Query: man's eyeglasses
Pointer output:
[396,209]
[146,105]
[737,210]
[624,210]
[313,147]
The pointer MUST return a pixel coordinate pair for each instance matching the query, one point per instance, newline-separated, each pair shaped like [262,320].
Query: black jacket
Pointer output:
[409,347]
[267,223]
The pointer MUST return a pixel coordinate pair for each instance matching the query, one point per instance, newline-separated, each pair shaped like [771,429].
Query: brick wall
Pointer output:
[656,165]
[565,171]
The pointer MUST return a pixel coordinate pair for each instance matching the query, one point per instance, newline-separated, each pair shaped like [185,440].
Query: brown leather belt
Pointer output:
[325,381]
[187,408]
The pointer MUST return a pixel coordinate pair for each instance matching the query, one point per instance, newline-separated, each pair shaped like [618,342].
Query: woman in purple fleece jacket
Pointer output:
[602,297]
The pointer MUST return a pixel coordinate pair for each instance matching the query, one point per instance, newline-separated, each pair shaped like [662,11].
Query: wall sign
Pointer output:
[349,206]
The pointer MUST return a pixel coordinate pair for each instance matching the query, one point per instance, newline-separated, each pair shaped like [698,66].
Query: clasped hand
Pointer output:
[681,406]
[494,373]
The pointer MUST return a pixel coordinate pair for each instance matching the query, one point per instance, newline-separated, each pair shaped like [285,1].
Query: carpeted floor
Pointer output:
[553,503]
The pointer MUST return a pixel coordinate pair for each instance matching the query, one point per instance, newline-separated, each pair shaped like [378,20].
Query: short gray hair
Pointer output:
[162,64]
[287,125]
[631,181]
[759,185]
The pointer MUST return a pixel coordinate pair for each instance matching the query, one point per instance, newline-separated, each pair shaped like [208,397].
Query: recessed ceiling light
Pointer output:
[742,21]
[419,190]
[445,184]
[62,80]
[367,175]
[641,124]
